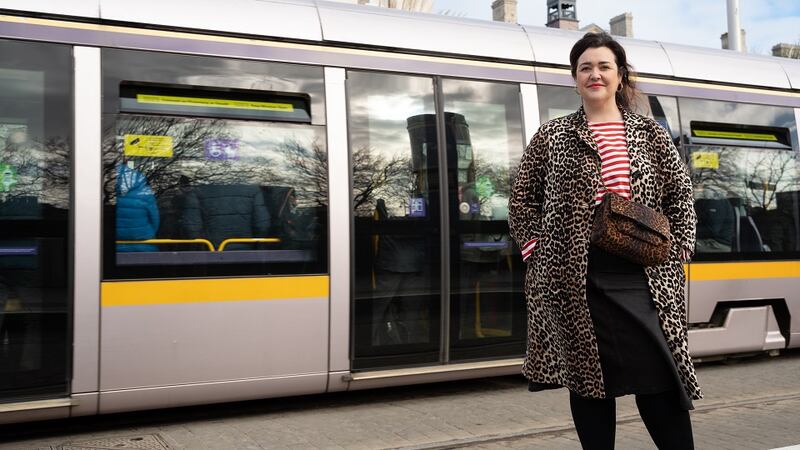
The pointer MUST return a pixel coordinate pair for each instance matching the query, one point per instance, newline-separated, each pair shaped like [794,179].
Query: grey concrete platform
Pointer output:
[750,404]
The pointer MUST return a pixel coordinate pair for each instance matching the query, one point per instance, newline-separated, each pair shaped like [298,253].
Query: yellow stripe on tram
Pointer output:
[743,270]
[163,292]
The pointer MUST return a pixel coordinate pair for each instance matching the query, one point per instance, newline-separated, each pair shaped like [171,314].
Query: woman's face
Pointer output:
[597,75]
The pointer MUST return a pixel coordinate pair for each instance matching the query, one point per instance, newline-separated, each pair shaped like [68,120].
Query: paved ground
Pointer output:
[752,404]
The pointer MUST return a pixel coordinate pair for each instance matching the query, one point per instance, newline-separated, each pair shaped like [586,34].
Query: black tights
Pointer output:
[668,424]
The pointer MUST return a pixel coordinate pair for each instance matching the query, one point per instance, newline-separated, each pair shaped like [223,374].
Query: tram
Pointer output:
[203,203]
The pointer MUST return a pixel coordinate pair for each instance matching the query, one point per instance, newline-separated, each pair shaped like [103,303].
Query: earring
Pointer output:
[620,87]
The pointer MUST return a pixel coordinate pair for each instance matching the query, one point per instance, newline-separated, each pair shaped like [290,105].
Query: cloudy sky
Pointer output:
[692,22]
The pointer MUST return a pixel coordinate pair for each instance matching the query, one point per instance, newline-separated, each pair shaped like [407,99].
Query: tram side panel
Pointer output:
[219,341]
[215,231]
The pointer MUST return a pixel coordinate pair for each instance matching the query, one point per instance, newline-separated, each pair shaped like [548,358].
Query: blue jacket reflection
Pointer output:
[137,212]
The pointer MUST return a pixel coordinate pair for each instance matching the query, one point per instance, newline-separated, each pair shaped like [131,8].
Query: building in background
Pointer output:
[786,50]
[562,14]
[407,5]
[622,25]
[504,11]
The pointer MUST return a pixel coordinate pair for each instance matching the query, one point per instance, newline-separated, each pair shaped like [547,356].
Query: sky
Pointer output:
[691,22]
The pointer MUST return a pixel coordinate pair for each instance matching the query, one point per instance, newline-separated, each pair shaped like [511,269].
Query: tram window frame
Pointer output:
[765,226]
[219,75]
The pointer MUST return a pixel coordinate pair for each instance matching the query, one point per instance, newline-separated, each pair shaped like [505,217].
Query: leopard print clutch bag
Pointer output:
[631,230]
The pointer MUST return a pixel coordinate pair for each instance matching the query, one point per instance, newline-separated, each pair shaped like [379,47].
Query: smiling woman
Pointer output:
[599,323]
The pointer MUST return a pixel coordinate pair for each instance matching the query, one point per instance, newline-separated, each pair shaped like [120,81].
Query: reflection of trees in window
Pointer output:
[306,170]
[164,174]
[35,169]
[753,174]
[377,176]
[291,163]
[492,181]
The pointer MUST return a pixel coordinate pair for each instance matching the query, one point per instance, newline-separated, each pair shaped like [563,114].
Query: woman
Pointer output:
[598,324]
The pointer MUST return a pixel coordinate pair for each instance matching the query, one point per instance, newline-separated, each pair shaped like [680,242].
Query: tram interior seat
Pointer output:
[727,222]
[747,237]
[218,212]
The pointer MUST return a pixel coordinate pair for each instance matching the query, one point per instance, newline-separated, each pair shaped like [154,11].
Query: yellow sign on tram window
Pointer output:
[735,135]
[705,160]
[150,146]
[213,102]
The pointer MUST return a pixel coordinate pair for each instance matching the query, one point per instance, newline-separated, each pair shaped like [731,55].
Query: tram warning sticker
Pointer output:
[150,146]
[8,177]
[705,160]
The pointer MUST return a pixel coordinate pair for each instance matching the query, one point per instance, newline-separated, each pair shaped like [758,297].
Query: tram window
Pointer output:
[395,191]
[556,101]
[487,134]
[189,193]
[35,167]
[746,178]
[484,142]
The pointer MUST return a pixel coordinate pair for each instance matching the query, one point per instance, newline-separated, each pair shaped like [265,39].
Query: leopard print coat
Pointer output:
[552,201]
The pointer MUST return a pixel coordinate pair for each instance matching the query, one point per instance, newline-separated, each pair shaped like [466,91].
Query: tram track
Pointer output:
[568,426]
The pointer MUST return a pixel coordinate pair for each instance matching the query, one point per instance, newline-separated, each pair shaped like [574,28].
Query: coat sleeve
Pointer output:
[527,196]
[678,197]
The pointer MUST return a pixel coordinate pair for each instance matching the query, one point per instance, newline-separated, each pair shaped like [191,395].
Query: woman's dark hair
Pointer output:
[628,96]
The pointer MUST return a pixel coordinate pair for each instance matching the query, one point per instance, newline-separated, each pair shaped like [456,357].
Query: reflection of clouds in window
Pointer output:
[22,84]
[259,153]
[381,153]
[393,107]
[488,130]
[556,101]
[492,114]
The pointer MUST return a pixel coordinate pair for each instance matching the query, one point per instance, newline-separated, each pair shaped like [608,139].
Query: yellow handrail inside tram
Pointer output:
[247,241]
[205,242]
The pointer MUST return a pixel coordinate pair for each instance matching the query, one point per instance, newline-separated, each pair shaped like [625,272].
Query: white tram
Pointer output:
[208,201]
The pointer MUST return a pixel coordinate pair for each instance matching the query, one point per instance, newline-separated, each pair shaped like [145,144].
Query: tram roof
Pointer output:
[334,22]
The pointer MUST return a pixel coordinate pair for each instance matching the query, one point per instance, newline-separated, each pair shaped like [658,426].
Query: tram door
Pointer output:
[483,130]
[35,140]
[409,306]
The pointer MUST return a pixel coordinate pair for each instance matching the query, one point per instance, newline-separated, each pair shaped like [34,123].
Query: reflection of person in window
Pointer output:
[282,205]
[401,269]
[715,221]
[137,213]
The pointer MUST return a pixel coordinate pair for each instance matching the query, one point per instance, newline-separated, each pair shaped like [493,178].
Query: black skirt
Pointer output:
[634,355]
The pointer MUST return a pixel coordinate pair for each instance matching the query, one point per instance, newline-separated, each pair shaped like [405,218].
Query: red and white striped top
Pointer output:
[615,168]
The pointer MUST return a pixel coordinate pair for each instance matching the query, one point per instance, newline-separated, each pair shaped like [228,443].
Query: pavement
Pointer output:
[751,403]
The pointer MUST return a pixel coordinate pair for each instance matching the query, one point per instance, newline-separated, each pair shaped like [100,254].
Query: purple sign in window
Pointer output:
[416,207]
[222,149]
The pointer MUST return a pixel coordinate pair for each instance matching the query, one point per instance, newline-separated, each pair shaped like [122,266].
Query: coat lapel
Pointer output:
[582,126]
[632,125]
